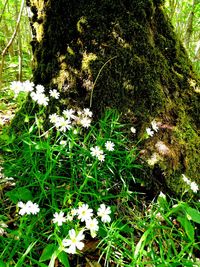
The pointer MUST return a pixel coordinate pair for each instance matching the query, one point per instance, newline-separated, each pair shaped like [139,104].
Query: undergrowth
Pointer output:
[69,197]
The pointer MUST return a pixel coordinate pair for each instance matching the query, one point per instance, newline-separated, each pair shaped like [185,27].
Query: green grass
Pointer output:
[158,232]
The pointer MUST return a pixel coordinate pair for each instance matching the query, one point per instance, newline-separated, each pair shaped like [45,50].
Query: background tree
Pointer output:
[185,18]
[123,55]
[15,36]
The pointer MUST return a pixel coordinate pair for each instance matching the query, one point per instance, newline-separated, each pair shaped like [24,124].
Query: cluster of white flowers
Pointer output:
[36,92]
[62,123]
[18,87]
[71,117]
[193,186]
[85,215]
[28,208]
[98,152]
[154,128]
[39,96]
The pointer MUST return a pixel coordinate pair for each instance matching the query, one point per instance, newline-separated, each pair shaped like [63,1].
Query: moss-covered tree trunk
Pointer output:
[123,54]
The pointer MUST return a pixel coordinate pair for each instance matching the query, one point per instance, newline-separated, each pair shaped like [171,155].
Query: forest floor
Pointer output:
[135,230]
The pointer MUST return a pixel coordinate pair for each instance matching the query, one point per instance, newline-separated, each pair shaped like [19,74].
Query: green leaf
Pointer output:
[2,264]
[187,226]
[63,258]
[19,194]
[22,258]
[47,252]
[194,214]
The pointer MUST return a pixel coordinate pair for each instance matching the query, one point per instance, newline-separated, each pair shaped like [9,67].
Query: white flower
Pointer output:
[42,99]
[28,208]
[92,225]
[54,93]
[69,217]
[162,195]
[84,213]
[133,130]
[28,86]
[63,142]
[53,118]
[104,212]
[34,208]
[75,131]
[74,212]
[149,132]
[185,179]
[87,112]
[194,187]
[59,218]
[34,96]
[39,89]
[96,151]
[154,126]
[101,157]
[85,122]
[17,87]
[2,228]
[80,113]
[109,145]
[73,242]
[62,124]
[23,207]
[71,214]
[69,114]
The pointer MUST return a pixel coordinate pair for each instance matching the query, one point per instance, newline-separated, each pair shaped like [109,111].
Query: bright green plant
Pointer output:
[73,196]
[184,16]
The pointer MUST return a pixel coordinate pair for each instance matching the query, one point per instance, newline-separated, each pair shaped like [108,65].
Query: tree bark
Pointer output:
[123,54]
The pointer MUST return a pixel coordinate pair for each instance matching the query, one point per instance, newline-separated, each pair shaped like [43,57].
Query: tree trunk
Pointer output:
[189,28]
[123,54]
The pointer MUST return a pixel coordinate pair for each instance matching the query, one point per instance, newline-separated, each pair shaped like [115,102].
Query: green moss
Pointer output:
[87,58]
[189,139]
[148,74]
[81,21]
[183,142]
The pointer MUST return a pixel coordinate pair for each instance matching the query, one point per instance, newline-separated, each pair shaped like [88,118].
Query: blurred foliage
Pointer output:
[184,14]
[185,17]
[17,64]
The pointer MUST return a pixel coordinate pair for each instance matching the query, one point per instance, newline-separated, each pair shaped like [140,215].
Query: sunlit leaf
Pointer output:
[187,226]
[48,252]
